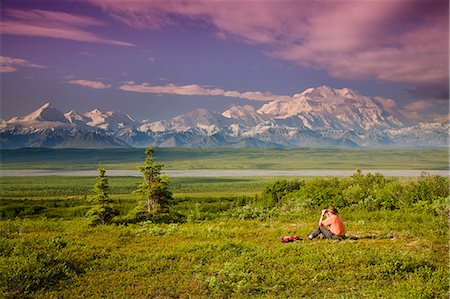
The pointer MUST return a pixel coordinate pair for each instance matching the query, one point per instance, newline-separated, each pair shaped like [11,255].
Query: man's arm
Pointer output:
[321,217]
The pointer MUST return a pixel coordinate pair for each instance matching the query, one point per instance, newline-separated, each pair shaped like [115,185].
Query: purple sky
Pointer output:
[158,59]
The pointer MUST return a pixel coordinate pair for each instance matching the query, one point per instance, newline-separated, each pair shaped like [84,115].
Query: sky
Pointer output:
[158,59]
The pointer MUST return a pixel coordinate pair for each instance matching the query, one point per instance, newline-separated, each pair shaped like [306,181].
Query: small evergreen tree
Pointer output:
[104,213]
[101,187]
[155,188]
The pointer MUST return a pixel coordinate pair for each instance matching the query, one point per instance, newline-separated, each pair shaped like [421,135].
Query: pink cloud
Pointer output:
[419,105]
[52,18]
[7,69]
[386,103]
[11,64]
[425,109]
[391,41]
[53,25]
[370,44]
[90,84]
[194,89]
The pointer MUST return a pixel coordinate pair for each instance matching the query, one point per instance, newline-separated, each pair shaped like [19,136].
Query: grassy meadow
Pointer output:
[224,248]
[223,158]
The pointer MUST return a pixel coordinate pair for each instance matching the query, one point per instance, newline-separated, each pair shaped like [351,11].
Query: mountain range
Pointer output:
[316,117]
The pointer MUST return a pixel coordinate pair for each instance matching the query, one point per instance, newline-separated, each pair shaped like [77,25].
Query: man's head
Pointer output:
[332,210]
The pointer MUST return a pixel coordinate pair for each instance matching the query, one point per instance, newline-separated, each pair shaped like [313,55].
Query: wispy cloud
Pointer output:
[90,84]
[11,64]
[194,89]
[86,53]
[53,24]
[425,109]
[390,41]
[419,105]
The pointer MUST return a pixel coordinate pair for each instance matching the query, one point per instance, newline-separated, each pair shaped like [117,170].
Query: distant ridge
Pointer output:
[316,117]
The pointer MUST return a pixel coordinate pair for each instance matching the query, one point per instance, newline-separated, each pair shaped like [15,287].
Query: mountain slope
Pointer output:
[325,107]
[46,113]
[316,117]
[109,120]
[49,127]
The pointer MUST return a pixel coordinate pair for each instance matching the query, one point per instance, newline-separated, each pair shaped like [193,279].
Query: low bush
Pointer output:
[30,264]
[140,214]
[101,215]
[251,212]
[370,191]
[426,188]
[274,193]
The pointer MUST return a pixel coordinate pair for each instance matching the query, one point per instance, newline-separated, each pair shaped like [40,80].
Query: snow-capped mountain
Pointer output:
[49,127]
[46,113]
[244,115]
[322,116]
[200,118]
[75,118]
[325,108]
[109,120]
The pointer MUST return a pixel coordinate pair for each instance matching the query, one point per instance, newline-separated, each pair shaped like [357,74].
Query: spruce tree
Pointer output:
[102,214]
[154,189]
[101,187]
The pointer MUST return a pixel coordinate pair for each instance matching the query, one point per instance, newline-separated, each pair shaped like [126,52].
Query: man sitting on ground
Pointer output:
[335,223]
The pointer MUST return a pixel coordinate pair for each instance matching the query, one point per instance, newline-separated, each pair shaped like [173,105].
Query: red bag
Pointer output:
[288,239]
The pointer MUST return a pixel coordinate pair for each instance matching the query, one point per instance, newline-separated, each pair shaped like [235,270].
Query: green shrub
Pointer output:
[388,196]
[440,206]
[194,214]
[426,188]
[273,193]
[242,200]
[32,264]
[135,215]
[139,214]
[319,192]
[354,194]
[250,212]
[101,215]
[370,191]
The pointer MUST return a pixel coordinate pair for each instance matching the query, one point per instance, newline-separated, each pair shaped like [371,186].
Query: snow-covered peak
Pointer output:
[283,109]
[239,111]
[328,92]
[341,108]
[244,115]
[76,118]
[348,93]
[322,91]
[46,105]
[198,117]
[46,113]
[94,114]
[444,119]
[109,120]
[316,117]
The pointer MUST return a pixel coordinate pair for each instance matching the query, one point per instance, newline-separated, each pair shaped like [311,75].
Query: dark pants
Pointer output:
[326,232]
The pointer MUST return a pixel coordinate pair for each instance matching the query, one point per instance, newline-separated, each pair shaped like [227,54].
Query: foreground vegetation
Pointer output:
[228,244]
[248,158]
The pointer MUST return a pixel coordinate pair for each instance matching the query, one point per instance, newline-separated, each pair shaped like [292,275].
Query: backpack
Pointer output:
[288,239]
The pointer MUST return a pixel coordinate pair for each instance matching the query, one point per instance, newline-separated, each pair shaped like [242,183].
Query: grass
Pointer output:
[51,252]
[271,159]
[48,186]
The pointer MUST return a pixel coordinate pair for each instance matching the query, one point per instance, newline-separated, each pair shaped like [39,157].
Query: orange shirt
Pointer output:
[336,224]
